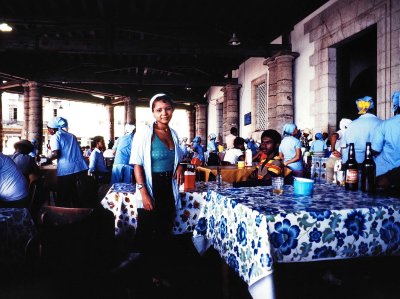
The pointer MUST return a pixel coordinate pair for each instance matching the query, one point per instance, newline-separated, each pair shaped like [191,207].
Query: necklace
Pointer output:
[162,130]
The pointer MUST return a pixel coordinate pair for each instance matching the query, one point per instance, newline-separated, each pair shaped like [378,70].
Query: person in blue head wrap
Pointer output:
[290,150]
[386,144]
[319,144]
[198,149]
[360,130]
[71,167]
[213,158]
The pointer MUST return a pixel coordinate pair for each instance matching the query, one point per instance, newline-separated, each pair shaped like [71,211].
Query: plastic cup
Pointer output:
[240,164]
[189,183]
[277,185]
[303,187]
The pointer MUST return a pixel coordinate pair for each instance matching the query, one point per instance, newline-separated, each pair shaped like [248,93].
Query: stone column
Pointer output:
[284,89]
[25,127]
[232,107]
[130,110]
[190,116]
[125,110]
[35,130]
[271,102]
[201,122]
[220,119]
[110,112]
[1,122]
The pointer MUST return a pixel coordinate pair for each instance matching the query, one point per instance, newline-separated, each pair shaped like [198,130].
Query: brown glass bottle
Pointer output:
[351,181]
[368,171]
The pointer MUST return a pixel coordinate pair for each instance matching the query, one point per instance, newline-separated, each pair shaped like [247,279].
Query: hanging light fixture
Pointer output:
[234,41]
[4,27]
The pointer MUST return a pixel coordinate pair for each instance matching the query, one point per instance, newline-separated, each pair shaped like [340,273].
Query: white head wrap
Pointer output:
[129,128]
[155,97]
[344,123]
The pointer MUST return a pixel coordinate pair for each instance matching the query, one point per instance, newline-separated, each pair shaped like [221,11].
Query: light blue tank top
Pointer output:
[162,158]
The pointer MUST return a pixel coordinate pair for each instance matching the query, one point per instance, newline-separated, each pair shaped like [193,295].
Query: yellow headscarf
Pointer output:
[364,104]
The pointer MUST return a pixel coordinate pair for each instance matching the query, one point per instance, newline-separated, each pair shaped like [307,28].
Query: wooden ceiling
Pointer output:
[138,48]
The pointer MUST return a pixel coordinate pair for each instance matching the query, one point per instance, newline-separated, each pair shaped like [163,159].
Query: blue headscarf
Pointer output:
[288,129]
[396,100]
[197,139]
[58,123]
[318,136]
[364,104]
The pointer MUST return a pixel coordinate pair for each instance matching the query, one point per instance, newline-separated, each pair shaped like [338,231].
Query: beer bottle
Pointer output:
[351,181]
[219,177]
[368,171]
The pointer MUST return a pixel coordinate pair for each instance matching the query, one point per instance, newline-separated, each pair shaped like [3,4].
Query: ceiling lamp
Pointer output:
[4,27]
[234,41]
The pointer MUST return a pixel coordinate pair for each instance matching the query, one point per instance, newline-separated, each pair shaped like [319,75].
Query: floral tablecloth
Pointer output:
[119,200]
[16,229]
[251,228]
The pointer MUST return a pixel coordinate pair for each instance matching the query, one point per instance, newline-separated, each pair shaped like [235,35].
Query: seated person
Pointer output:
[97,163]
[213,158]
[13,185]
[319,144]
[198,150]
[271,165]
[22,158]
[236,153]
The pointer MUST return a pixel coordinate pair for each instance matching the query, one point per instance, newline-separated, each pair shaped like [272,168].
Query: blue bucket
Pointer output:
[303,187]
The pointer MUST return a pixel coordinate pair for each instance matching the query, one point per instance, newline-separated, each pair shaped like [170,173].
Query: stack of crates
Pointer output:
[318,169]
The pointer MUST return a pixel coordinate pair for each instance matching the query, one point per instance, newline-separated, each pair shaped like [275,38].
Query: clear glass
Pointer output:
[277,185]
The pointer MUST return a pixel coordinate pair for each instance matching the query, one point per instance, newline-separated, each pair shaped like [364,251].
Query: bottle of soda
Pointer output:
[368,171]
[351,181]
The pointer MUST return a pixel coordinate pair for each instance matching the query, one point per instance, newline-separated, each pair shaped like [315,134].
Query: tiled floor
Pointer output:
[198,277]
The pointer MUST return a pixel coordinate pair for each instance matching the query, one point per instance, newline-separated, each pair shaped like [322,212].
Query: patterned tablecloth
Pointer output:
[252,229]
[16,229]
[119,200]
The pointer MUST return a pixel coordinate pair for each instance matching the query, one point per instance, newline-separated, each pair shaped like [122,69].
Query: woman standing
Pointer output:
[156,155]
[290,150]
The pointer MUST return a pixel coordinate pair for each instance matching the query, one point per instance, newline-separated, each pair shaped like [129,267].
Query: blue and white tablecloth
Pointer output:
[16,229]
[119,200]
[252,228]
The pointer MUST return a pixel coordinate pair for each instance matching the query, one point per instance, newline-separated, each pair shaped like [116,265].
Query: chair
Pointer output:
[36,197]
[76,238]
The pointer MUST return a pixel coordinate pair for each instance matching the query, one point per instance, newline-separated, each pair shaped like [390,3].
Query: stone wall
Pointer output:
[340,21]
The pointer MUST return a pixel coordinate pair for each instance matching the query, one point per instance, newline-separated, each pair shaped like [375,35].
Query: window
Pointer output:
[54,112]
[13,113]
[261,107]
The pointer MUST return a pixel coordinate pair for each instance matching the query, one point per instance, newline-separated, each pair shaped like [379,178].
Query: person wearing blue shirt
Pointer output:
[290,150]
[360,130]
[97,164]
[198,148]
[13,184]
[122,171]
[386,143]
[251,145]
[319,144]
[71,167]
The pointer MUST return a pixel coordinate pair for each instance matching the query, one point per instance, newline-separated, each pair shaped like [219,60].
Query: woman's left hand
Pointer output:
[179,175]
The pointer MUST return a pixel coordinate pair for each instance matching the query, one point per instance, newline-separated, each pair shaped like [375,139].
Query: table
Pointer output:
[16,229]
[253,229]
[230,173]
[119,200]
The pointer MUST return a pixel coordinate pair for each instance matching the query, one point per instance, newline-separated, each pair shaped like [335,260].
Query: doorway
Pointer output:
[356,71]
